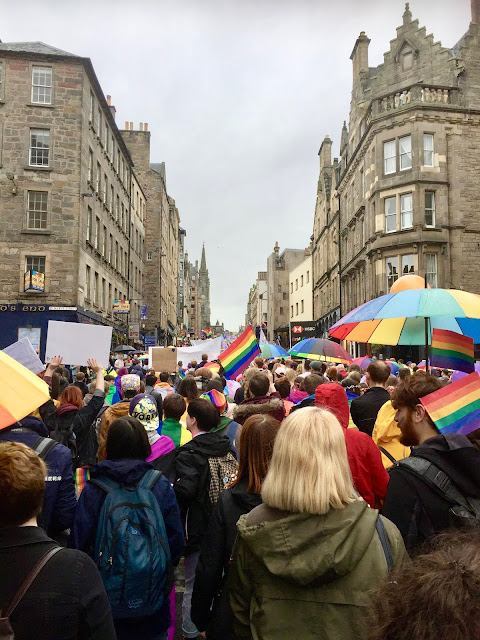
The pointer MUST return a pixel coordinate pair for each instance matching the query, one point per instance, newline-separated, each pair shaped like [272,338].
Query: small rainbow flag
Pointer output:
[181,374]
[206,333]
[451,350]
[240,353]
[456,407]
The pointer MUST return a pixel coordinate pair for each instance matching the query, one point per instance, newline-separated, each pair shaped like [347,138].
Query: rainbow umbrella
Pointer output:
[319,349]
[273,351]
[394,367]
[408,317]
[458,375]
[362,362]
[21,391]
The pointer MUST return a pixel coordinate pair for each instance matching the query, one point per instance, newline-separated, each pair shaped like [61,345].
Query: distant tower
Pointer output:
[204,292]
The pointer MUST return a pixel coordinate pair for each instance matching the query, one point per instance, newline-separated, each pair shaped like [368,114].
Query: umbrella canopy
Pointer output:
[318,349]
[273,351]
[458,375]
[124,348]
[394,367]
[399,318]
[362,362]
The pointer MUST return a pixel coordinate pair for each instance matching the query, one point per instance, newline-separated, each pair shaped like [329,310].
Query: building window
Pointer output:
[406,210]
[110,248]
[88,278]
[42,85]
[1,79]
[428,150]
[117,208]
[291,311]
[92,105]
[308,277]
[390,214]
[281,310]
[115,262]
[405,152]
[106,135]
[39,147]
[389,157]
[112,198]
[105,189]
[301,281]
[35,263]
[99,123]
[95,288]
[279,286]
[90,166]
[37,209]
[291,287]
[97,232]
[362,183]
[392,271]
[149,256]
[302,306]
[296,284]
[407,265]
[431,271]
[98,184]
[430,208]
[296,308]
[89,224]
[104,241]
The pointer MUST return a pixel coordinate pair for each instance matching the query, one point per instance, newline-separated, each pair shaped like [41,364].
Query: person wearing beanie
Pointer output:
[130,387]
[174,406]
[226,426]
[144,408]
[368,473]
[117,396]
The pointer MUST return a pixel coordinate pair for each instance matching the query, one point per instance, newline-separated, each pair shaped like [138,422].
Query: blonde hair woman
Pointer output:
[306,559]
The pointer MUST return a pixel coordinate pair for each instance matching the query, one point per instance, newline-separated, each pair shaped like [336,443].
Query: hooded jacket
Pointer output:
[297,575]
[118,410]
[192,482]
[59,502]
[386,434]
[210,601]
[272,404]
[365,408]
[417,509]
[365,460]
[128,472]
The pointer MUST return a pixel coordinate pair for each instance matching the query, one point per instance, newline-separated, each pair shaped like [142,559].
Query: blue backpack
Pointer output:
[131,548]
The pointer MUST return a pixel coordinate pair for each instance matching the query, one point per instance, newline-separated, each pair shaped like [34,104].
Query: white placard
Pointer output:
[23,352]
[78,342]
[211,347]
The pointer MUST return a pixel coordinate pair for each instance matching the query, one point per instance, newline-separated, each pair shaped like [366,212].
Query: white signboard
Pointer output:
[23,352]
[78,342]
[211,347]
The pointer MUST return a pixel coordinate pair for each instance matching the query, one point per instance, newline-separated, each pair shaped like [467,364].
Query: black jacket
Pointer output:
[210,601]
[306,402]
[81,422]
[417,509]
[59,502]
[67,600]
[364,409]
[192,483]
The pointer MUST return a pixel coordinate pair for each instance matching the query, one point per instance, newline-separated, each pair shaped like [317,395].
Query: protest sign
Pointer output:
[78,342]
[23,352]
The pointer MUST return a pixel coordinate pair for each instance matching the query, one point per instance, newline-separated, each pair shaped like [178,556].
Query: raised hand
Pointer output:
[93,364]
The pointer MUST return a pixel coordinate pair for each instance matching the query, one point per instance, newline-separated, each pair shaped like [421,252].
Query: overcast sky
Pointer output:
[239,95]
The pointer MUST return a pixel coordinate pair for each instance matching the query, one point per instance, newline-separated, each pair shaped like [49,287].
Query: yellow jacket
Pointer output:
[386,434]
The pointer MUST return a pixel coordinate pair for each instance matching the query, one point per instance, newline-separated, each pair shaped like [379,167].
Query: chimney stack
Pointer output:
[109,101]
[475,4]
[359,55]
[126,125]
[131,126]
[145,126]
[325,153]
[141,126]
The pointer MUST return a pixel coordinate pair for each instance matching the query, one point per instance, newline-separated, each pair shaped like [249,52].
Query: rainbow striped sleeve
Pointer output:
[456,407]
[240,354]
[451,350]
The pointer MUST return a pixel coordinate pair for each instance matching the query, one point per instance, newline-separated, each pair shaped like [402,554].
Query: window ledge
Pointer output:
[29,168]
[42,232]
[38,104]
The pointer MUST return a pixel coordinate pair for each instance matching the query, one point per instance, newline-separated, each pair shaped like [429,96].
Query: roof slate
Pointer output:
[34,47]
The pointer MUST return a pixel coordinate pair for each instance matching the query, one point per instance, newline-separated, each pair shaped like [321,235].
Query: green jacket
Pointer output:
[296,575]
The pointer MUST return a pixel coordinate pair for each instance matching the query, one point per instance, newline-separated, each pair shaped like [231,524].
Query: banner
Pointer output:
[121,306]
[34,281]
[149,341]
[211,347]
[144,312]
[134,331]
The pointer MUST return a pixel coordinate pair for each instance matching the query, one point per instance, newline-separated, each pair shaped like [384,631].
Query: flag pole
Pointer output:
[426,337]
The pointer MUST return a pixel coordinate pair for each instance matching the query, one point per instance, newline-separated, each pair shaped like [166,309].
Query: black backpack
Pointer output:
[465,511]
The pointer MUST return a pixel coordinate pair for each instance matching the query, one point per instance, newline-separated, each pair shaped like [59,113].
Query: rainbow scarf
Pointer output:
[239,354]
[456,407]
[451,350]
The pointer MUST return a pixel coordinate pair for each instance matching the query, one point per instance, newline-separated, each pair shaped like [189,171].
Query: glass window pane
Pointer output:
[405,152]
[407,265]
[390,214]
[391,265]
[39,147]
[389,157]
[406,210]
[431,269]
[430,208]
[428,150]
[37,210]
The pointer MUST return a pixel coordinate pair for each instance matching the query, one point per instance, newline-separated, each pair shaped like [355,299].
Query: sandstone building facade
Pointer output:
[71,206]
[403,197]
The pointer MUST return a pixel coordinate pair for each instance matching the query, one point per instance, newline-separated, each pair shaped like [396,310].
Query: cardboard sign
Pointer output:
[23,352]
[163,359]
[78,342]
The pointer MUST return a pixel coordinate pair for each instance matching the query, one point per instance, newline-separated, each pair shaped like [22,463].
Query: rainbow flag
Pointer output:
[214,366]
[181,374]
[239,354]
[456,407]
[82,476]
[451,350]
[206,333]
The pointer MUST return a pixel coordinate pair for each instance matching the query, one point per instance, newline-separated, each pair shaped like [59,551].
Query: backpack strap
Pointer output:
[149,478]
[29,579]
[438,480]
[387,454]
[106,484]
[387,549]
[43,446]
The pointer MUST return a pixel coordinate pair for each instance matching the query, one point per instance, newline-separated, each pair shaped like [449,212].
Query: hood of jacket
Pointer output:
[118,410]
[209,445]
[455,455]
[32,423]
[297,396]
[125,471]
[333,396]
[310,550]
[246,501]
[261,404]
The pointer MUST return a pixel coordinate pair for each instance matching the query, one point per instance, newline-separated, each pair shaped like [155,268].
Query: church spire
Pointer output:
[203,263]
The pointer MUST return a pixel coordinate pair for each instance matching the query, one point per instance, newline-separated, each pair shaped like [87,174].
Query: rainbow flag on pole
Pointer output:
[206,333]
[239,354]
[456,407]
[451,350]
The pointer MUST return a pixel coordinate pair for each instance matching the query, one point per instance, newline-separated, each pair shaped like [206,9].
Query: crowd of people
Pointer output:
[302,500]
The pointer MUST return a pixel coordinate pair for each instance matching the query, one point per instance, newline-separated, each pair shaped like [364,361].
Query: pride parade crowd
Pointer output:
[298,499]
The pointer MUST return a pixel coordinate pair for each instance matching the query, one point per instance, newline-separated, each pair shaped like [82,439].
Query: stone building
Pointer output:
[182,308]
[404,196]
[301,292]
[161,238]
[279,266]
[71,207]
[257,305]
[203,293]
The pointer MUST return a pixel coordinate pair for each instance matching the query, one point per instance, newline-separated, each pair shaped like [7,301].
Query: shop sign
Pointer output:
[121,306]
